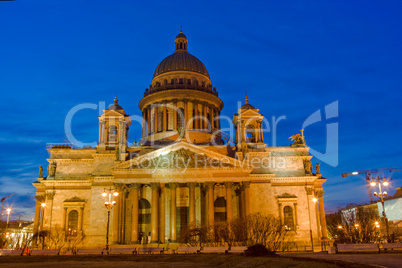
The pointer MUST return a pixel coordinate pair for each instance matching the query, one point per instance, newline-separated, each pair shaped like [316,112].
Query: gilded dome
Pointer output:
[181,61]
[181,70]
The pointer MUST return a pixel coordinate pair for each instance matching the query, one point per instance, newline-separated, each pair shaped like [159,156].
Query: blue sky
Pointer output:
[291,57]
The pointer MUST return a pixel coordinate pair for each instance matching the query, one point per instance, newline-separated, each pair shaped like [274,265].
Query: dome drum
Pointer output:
[180,99]
[181,83]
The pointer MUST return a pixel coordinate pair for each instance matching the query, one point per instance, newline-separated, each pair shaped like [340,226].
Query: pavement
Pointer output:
[388,260]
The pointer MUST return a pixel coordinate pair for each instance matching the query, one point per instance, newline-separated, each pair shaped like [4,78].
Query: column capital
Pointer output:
[246,184]
[309,190]
[155,185]
[119,186]
[228,184]
[191,184]
[173,185]
[50,195]
[209,185]
[135,186]
[40,198]
[320,193]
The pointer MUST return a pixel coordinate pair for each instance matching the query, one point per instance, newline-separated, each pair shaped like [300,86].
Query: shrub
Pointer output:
[259,250]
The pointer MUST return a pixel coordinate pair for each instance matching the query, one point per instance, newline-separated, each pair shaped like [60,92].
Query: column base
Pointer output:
[155,242]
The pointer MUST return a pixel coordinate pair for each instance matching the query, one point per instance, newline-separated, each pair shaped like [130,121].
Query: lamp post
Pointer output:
[8,218]
[311,231]
[381,194]
[109,204]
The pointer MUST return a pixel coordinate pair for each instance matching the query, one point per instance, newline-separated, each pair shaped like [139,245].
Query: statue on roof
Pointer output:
[244,149]
[40,172]
[317,168]
[52,169]
[298,140]
[308,168]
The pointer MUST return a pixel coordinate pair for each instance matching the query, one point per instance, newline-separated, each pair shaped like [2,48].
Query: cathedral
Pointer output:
[183,172]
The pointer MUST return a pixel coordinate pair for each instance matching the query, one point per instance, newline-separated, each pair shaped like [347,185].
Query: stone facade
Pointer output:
[182,172]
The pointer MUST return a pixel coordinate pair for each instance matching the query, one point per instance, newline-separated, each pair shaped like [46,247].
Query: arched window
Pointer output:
[167,119]
[193,118]
[144,207]
[220,209]
[113,130]
[250,133]
[288,217]
[153,123]
[112,133]
[72,226]
[160,121]
[180,118]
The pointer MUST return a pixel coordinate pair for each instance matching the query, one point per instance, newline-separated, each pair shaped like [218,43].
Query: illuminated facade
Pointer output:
[183,172]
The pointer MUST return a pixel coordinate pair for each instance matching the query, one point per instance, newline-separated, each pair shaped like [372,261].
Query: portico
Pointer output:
[177,197]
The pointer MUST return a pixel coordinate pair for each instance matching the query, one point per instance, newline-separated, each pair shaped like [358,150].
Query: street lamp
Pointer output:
[109,204]
[8,218]
[381,195]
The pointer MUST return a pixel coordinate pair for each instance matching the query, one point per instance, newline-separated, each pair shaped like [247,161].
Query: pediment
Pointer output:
[182,158]
[112,113]
[74,199]
[181,155]
[251,113]
[287,195]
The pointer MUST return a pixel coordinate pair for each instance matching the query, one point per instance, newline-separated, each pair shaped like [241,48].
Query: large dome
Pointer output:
[181,70]
[181,61]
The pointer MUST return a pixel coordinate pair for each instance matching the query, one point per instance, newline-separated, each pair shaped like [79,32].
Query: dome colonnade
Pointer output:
[180,99]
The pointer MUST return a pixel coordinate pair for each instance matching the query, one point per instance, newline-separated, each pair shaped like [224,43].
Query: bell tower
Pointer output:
[248,127]
[113,128]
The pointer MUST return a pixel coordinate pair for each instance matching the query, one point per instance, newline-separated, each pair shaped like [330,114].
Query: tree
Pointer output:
[57,237]
[354,225]
[255,229]
[267,231]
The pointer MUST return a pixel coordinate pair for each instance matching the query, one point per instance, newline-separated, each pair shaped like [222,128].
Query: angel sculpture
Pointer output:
[40,172]
[298,139]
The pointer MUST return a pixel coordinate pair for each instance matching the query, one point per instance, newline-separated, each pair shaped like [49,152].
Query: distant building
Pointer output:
[18,233]
[181,173]
[393,211]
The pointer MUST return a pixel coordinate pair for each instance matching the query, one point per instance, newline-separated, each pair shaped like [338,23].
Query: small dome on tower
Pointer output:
[246,105]
[181,35]
[116,107]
